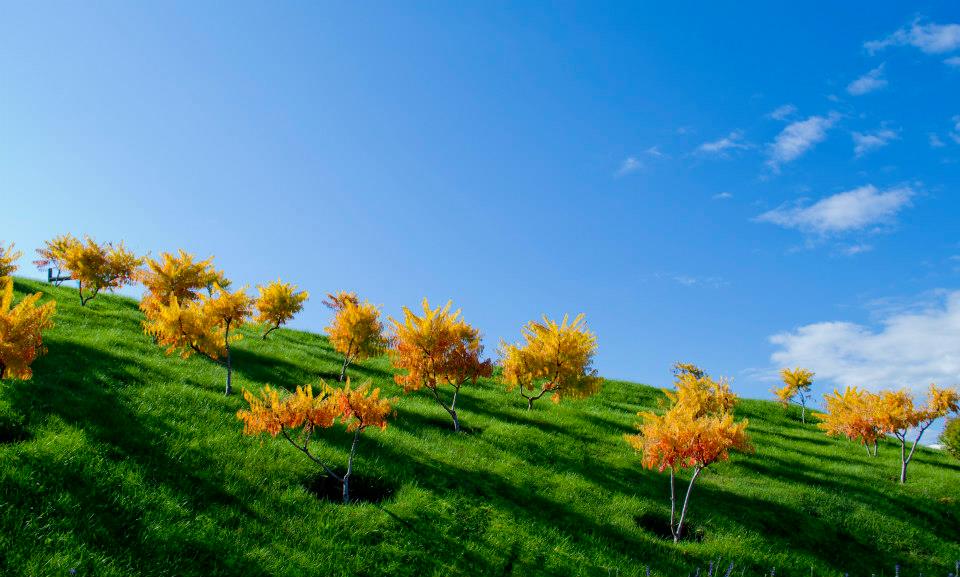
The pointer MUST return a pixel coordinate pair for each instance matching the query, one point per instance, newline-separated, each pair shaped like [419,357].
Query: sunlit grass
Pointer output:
[131,462]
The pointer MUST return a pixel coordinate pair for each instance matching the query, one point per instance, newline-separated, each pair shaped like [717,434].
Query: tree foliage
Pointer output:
[356,331]
[99,267]
[553,358]
[8,259]
[53,254]
[277,303]
[796,388]
[296,416]
[202,326]
[697,430]
[435,349]
[336,301]
[21,330]
[868,416]
[950,437]
[853,414]
[179,277]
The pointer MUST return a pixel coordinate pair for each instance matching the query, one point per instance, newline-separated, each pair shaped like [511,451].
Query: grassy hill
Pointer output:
[118,460]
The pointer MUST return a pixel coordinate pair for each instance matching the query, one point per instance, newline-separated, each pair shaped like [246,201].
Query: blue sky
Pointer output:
[742,185]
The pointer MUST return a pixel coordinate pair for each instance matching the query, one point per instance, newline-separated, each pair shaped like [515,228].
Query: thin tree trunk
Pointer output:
[875,447]
[803,410]
[226,340]
[346,477]
[903,459]
[270,330]
[906,461]
[686,501]
[343,370]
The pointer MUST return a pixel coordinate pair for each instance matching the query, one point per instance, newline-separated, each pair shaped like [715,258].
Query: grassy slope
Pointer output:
[133,463]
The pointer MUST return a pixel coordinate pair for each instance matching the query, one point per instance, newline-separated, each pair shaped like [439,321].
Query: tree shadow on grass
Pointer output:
[86,392]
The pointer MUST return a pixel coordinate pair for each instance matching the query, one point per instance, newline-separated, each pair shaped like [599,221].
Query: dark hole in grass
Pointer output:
[362,489]
[659,525]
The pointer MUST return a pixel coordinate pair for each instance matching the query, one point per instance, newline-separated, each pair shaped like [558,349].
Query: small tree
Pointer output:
[8,259]
[203,327]
[435,349]
[21,331]
[53,255]
[853,414]
[950,437]
[174,277]
[554,358]
[796,389]
[99,267]
[278,303]
[898,416]
[357,409]
[356,332]
[697,430]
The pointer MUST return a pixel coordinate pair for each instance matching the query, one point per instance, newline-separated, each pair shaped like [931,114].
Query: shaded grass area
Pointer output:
[120,460]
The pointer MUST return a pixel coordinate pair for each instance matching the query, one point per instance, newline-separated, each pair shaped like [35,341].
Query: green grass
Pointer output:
[129,462]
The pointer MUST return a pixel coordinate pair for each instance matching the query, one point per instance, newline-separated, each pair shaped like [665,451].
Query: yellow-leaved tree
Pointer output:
[177,276]
[296,416]
[553,358]
[202,326]
[697,430]
[99,267]
[853,414]
[277,303]
[53,255]
[796,388]
[436,349]
[8,259]
[21,330]
[355,331]
[897,415]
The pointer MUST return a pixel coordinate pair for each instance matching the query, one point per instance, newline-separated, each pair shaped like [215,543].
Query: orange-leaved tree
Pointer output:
[796,388]
[53,255]
[21,330]
[898,415]
[356,331]
[435,349]
[202,326]
[337,301]
[277,303]
[8,259]
[853,414]
[98,267]
[177,276]
[697,430]
[553,358]
[296,416]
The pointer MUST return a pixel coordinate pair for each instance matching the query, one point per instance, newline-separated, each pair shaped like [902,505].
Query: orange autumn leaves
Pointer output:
[21,330]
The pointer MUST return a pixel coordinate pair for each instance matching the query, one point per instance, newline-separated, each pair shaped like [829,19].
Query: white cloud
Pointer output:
[911,348]
[853,210]
[799,137]
[855,249]
[655,152]
[733,141]
[868,142]
[630,165]
[783,112]
[930,38]
[867,83]
[693,281]
[935,141]
[953,61]
[723,196]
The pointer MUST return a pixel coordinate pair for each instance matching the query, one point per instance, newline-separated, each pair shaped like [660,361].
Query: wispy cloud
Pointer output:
[855,249]
[869,82]
[655,152]
[935,141]
[783,112]
[628,166]
[953,61]
[930,38]
[723,146]
[864,143]
[909,348]
[723,196]
[692,280]
[799,137]
[854,210]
